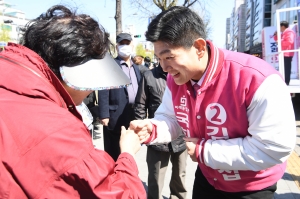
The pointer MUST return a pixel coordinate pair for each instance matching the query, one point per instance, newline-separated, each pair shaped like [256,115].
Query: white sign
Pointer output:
[269,47]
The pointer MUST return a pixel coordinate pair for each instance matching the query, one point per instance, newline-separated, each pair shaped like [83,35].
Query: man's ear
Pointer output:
[200,45]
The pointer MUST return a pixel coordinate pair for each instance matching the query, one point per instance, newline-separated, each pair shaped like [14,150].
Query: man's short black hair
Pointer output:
[63,38]
[284,23]
[147,59]
[179,26]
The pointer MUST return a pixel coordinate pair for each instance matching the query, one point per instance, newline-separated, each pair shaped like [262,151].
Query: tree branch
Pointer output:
[185,2]
[188,4]
[157,3]
[144,6]
[172,3]
[164,3]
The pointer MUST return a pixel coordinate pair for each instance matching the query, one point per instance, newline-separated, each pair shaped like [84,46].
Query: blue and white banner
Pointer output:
[269,47]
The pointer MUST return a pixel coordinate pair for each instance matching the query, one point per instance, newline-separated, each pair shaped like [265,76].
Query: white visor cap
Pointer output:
[95,74]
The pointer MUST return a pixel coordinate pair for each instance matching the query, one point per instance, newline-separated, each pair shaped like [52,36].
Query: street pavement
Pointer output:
[287,188]
[289,185]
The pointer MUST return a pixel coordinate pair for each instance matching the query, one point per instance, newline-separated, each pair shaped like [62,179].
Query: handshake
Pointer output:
[143,128]
[138,132]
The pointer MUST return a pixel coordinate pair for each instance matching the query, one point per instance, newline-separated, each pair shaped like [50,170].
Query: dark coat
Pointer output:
[113,104]
[90,100]
[143,69]
[148,98]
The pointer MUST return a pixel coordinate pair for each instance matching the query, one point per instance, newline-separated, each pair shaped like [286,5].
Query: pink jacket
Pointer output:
[242,115]
[287,41]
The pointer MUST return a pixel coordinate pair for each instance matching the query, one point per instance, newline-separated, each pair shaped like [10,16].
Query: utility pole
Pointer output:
[118,17]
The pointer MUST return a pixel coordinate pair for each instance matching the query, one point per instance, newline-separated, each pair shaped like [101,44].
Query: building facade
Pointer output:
[227,38]
[291,17]
[236,37]
[258,16]
[241,34]
[12,21]
[248,19]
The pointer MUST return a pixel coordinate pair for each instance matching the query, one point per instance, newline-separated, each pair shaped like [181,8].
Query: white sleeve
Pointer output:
[272,132]
[167,127]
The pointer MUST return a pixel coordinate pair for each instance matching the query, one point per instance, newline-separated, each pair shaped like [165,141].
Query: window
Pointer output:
[267,22]
[293,14]
[283,16]
[276,1]
[268,15]
[268,8]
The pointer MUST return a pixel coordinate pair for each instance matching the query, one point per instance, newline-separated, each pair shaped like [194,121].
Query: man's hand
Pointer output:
[191,147]
[129,141]
[104,121]
[143,128]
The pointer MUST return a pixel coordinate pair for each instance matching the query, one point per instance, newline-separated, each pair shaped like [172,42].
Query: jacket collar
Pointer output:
[215,64]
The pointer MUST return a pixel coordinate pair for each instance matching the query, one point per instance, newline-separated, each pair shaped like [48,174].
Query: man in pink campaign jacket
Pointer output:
[287,43]
[239,123]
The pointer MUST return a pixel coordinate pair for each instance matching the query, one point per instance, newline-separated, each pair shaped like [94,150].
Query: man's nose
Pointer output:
[164,67]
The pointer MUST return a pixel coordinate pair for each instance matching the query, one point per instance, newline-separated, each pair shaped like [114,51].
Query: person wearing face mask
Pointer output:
[116,106]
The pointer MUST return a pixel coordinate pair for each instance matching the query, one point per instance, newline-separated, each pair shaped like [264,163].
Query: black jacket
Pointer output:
[142,68]
[148,98]
[113,104]
[91,102]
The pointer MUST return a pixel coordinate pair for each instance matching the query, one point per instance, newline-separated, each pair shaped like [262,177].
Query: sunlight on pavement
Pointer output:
[293,166]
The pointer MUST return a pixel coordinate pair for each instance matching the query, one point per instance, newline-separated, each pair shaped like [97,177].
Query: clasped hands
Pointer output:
[143,128]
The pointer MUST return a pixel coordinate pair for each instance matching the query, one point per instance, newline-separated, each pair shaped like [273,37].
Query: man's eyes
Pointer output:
[170,57]
[167,58]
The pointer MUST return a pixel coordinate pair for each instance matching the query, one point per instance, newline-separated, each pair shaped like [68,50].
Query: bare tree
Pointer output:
[150,8]
[118,17]
[162,5]
[167,4]
[207,24]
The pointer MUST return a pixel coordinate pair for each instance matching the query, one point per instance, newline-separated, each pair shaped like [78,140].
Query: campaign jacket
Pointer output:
[242,115]
[287,41]
[148,99]
[46,151]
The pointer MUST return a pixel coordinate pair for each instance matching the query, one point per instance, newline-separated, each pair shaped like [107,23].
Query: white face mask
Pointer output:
[125,50]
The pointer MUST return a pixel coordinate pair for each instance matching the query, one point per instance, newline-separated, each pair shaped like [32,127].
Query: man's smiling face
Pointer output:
[181,63]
